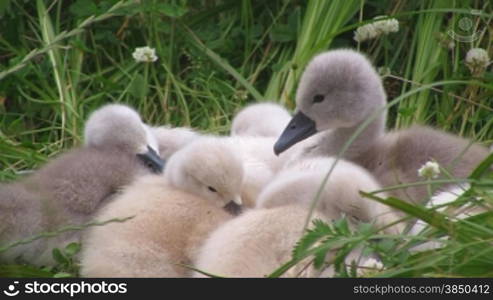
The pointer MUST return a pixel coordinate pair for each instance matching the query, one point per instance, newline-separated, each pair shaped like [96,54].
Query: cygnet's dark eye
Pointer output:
[318,98]
[212,189]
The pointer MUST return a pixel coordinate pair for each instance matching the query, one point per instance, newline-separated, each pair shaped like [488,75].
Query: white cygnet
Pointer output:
[71,188]
[174,214]
[267,119]
[338,91]
[259,241]
[299,183]
[255,244]
[441,202]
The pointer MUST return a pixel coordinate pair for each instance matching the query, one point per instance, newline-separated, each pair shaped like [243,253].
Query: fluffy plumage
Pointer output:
[255,244]
[72,187]
[259,163]
[300,181]
[266,119]
[174,214]
[259,241]
[442,202]
[338,91]
[172,139]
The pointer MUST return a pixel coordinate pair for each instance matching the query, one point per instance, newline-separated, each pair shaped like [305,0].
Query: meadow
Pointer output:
[60,60]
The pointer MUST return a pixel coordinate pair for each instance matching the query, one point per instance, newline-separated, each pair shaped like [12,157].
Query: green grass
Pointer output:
[59,60]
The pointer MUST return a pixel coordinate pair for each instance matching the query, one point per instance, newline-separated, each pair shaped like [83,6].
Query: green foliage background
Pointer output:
[60,60]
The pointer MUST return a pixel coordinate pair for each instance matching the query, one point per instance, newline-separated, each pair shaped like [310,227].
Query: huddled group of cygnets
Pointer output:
[235,205]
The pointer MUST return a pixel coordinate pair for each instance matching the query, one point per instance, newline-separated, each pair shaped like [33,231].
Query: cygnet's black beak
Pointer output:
[233,208]
[299,128]
[152,160]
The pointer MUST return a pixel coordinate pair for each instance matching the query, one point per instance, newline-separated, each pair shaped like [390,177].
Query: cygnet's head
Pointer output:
[260,119]
[338,89]
[300,182]
[119,126]
[210,169]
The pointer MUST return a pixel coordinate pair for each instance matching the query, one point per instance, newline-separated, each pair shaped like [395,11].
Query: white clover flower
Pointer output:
[429,170]
[386,26]
[477,60]
[144,54]
[365,32]
[370,265]
[478,56]
[375,29]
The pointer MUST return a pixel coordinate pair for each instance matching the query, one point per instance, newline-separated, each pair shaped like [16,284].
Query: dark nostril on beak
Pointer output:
[233,208]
